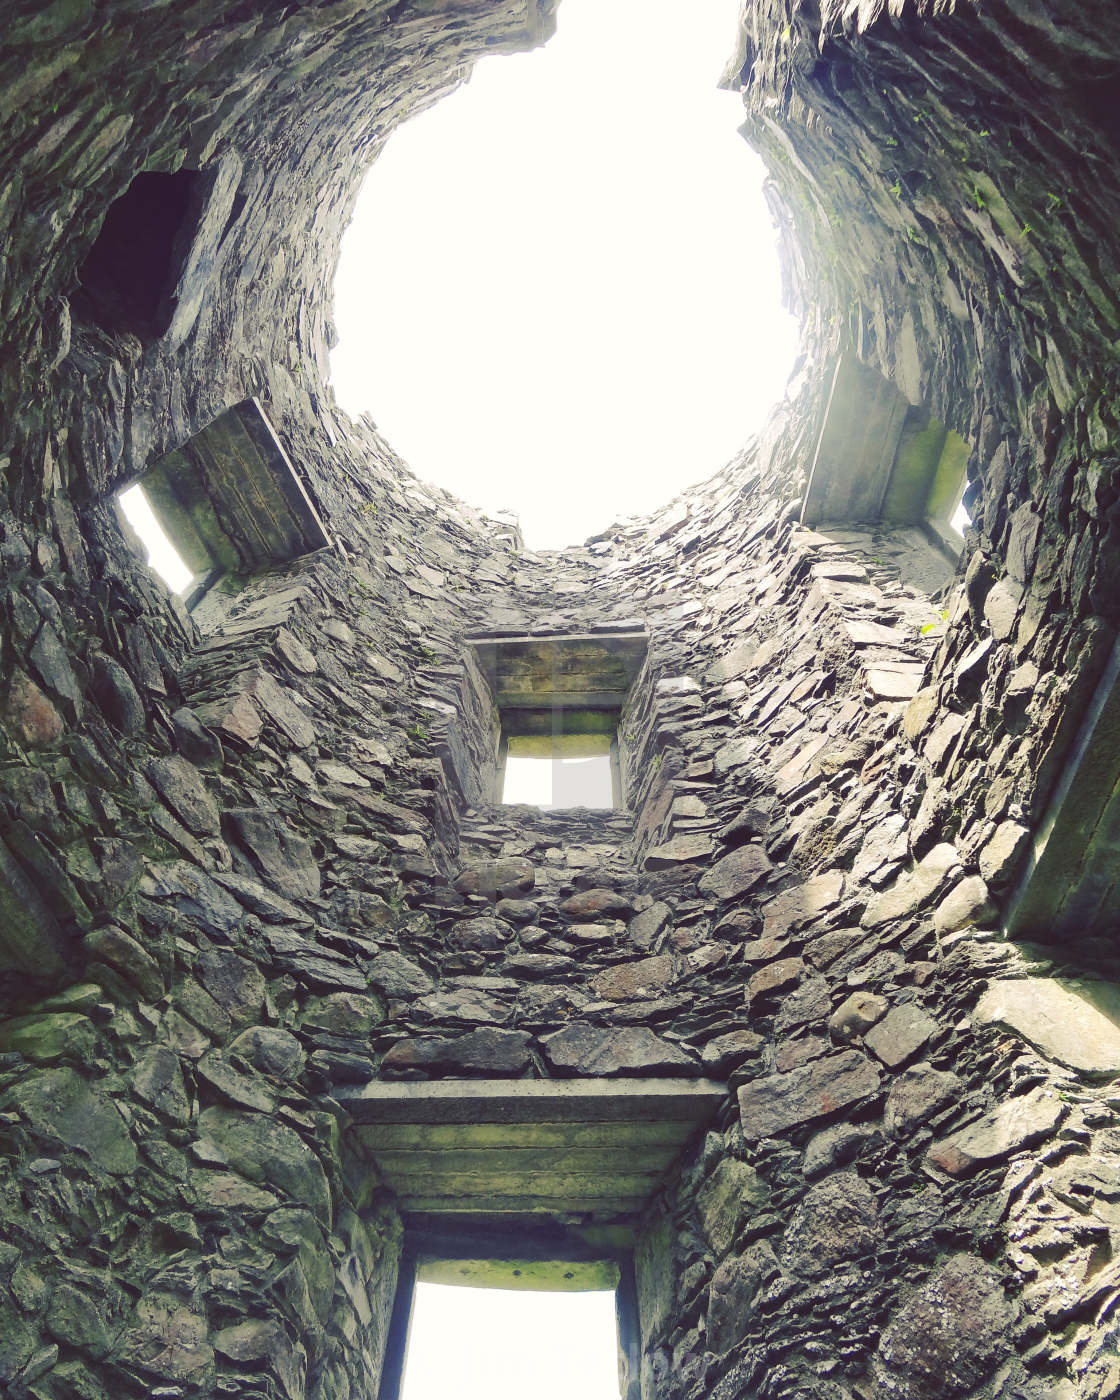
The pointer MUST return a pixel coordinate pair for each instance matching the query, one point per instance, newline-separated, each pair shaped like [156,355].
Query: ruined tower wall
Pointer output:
[251,867]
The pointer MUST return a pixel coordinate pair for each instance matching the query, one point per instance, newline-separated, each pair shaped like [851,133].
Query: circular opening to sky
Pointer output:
[560,292]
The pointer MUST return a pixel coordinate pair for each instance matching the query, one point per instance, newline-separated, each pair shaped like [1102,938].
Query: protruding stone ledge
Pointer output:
[597,1147]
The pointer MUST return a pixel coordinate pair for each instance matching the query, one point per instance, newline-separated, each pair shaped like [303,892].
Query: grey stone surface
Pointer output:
[949,1337]
[784,1101]
[1072,1021]
[916,1094]
[727,1200]
[735,873]
[836,1222]
[1015,1124]
[591,1050]
[901,1034]
[334,698]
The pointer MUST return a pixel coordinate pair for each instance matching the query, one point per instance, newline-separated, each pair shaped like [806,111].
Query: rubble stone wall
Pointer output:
[247,856]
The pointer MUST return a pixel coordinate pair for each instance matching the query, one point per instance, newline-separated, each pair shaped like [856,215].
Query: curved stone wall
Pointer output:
[245,866]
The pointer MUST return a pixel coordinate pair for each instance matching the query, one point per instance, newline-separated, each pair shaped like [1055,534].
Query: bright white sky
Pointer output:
[561,782]
[492,1344]
[560,291]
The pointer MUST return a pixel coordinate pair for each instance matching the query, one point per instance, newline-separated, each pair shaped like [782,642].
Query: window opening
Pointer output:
[555,781]
[163,558]
[558,699]
[130,276]
[882,459]
[481,1342]
[228,503]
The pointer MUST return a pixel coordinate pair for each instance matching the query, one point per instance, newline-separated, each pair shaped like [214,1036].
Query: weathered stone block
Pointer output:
[784,1101]
[1075,1022]
[1016,1124]
[948,1337]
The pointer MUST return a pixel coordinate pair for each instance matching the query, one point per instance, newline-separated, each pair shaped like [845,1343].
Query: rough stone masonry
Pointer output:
[247,858]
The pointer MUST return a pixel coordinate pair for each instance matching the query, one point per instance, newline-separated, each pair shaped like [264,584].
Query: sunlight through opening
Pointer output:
[560,292]
[494,1344]
[559,782]
[163,558]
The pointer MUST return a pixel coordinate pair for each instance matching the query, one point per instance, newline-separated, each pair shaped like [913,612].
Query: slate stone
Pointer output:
[465,1004]
[899,1036]
[234,983]
[1003,853]
[917,1094]
[283,856]
[75,1319]
[194,895]
[726,1200]
[51,664]
[292,651]
[775,978]
[58,1103]
[49,1036]
[486,1051]
[631,980]
[181,786]
[1074,1022]
[251,1340]
[264,1150]
[856,1014]
[272,1051]
[194,741]
[680,850]
[117,698]
[235,1086]
[966,904]
[600,935]
[836,1222]
[583,1049]
[275,702]
[753,821]
[948,1337]
[258,898]
[801,903]
[733,1295]
[540,965]
[398,976]
[31,714]
[342,1013]
[735,755]
[482,935]
[810,1002]
[168,1340]
[836,1146]
[512,877]
[913,888]
[784,1101]
[645,928]
[158,1080]
[727,1052]
[736,873]
[517,911]
[1014,1125]
[594,904]
[221,1191]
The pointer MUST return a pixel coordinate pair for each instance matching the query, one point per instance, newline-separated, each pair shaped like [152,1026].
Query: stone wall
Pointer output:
[247,857]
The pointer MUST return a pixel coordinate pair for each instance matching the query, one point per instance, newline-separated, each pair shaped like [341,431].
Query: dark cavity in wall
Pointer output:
[129,279]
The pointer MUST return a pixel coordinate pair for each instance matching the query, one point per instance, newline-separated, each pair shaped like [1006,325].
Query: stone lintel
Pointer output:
[523,1275]
[595,1147]
[533,1101]
[583,670]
